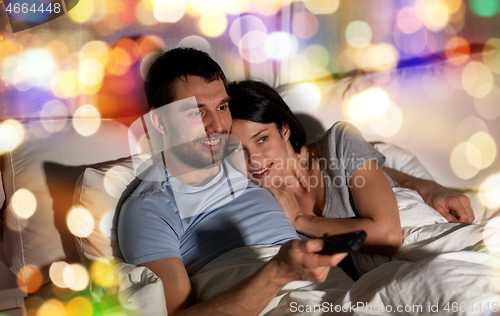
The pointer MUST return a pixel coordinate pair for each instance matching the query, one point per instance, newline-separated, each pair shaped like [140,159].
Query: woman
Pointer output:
[331,186]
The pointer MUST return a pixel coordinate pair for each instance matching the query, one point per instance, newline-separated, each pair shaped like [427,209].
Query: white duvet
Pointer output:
[441,269]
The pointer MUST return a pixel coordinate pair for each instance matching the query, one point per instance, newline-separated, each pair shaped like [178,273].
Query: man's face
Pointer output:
[201,129]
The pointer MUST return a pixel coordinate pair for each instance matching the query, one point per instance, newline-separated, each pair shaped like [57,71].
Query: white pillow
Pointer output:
[101,191]
[37,240]
[403,160]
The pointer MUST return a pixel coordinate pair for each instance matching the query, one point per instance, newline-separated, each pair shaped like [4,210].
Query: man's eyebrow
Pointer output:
[226,100]
[258,133]
[190,106]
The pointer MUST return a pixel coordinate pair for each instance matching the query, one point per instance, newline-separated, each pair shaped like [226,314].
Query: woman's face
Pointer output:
[265,149]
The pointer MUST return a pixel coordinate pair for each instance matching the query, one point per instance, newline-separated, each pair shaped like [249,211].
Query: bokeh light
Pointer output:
[65,84]
[267,7]
[407,20]
[149,44]
[90,72]
[388,123]
[103,272]
[470,126]
[23,203]
[56,274]
[11,135]
[144,12]
[491,54]
[79,276]
[434,14]
[124,11]
[317,56]
[79,306]
[252,47]
[130,46]
[322,6]
[486,146]
[29,278]
[281,45]
[25,70]
[380,57]
[146,63]
[54,115]
[304,24]
[58,48]
[299,68]
[119,61]
[477,80]
[457,50]
[491,235]
[52,307]
[304,97]
[83,11]
[116,180]
[213,24]
[487,107]
[195,41]
[244,24]
[370,103]
[97,50]
[460,160]
[489,191]
[80,222]
[106,225]
[169,11]
[86,120]
[414,43]
[358,34]
[485,8]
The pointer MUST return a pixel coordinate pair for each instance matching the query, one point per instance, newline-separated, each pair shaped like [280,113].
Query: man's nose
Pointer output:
[213,123]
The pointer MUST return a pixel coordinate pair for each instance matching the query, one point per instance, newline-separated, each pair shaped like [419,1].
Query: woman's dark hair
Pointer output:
[257,102]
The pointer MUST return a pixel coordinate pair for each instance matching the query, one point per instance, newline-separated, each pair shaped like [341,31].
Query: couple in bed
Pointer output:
[203,209]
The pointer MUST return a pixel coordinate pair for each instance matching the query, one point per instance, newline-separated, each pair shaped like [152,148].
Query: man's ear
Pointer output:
[285,131]
[157,120]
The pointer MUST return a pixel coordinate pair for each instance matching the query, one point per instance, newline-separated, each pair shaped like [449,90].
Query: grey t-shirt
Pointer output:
[343,150]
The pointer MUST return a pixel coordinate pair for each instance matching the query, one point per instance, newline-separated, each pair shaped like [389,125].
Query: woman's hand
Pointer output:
[284,194]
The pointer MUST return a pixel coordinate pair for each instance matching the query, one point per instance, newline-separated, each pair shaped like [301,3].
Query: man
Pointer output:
[176,226]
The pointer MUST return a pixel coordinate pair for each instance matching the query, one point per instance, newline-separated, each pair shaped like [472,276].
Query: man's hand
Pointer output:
[298,260]
[455,207]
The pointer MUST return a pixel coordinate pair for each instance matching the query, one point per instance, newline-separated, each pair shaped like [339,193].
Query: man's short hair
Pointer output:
[178,63]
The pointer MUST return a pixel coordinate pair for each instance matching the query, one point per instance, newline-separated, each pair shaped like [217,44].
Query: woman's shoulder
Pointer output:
[339,130]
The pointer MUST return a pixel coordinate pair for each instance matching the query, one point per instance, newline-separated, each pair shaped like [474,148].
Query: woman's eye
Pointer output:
[197,113]
[262,139]
[239,149]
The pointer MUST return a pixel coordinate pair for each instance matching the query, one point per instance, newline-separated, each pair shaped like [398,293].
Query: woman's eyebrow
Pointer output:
[257,134]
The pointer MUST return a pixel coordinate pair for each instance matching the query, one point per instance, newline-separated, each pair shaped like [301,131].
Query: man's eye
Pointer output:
[223,107]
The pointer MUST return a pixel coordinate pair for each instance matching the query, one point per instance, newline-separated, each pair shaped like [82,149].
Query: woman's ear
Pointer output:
[157,120]
[285,131]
